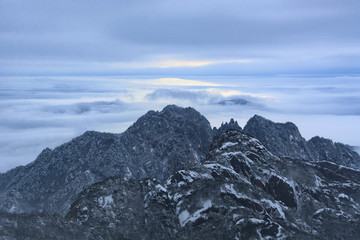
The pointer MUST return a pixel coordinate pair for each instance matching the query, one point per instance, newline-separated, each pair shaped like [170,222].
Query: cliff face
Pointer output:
[156,145]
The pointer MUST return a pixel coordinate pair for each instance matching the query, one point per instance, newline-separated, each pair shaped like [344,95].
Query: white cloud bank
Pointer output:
[39,112]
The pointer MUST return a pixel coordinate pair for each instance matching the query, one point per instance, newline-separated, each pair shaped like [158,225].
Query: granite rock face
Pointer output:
[156,145]
[285,140]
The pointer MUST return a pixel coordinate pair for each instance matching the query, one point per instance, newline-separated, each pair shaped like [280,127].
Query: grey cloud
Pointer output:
[27,130]
[310,103]
[20,146]
[205,97]
[86,107]
[53,33]
[31,116]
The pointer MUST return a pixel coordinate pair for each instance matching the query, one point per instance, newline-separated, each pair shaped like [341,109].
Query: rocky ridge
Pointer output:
[325,149]
[156,145]
[284,139]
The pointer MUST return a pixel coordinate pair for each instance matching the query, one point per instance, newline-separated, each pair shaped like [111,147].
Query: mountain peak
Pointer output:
[156,145]
[176,111]
[175,108]
[283,139]
[258,117]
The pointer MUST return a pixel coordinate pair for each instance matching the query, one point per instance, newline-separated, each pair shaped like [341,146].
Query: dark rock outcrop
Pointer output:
[227,126]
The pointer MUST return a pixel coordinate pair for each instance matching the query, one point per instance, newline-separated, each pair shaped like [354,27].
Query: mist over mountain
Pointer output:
[171,176]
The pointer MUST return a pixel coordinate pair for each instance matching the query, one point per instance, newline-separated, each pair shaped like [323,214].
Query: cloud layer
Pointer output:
[159,37]
[38,112]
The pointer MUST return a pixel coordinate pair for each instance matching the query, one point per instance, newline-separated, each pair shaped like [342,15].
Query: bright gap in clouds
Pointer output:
[183,63]
[170,62]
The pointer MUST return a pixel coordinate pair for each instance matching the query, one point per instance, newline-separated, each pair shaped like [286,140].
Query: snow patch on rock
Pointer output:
[185,217]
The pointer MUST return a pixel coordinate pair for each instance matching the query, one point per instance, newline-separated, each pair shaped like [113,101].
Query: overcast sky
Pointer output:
[71,66]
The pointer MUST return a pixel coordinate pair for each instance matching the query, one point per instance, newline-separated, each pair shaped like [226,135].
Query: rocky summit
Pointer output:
[236,188]
[156,145]
[231,125]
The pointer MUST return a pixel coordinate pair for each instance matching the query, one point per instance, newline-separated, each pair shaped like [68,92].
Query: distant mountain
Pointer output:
[285,140]
[156,145]
[237,101]
[325,149]
[242,190]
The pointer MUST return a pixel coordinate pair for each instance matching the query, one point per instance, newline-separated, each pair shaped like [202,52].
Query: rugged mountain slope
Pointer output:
[241,191]
[129,209]
[43,226]
[284,139]
[156,145]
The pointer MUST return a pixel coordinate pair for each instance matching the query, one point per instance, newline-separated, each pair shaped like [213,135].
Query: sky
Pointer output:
[74,65]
